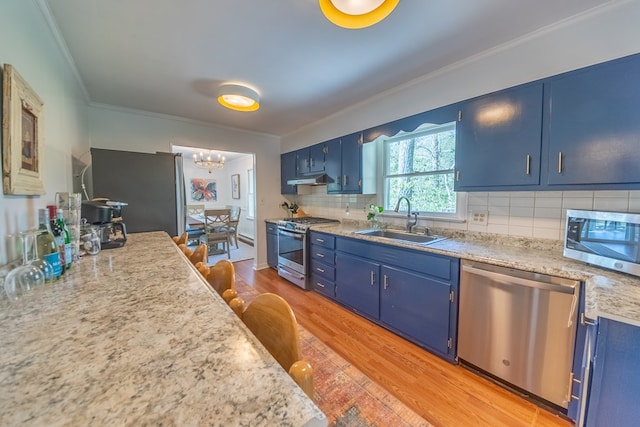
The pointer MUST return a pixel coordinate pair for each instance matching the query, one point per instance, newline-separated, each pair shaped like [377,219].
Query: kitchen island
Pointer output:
[135,336]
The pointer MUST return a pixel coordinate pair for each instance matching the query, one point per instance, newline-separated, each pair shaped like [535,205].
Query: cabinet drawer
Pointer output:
[321,239]
[322,254]
[323,286]
[421,262]
[323,270]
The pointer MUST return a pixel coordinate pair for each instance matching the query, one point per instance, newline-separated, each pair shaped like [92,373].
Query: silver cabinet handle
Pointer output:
[559,161]
[386,281]
[373,276]
[528,164]
[319,240]
[345,180]
[584,320]
[319,284]
[457,175]
[320,255]
[319,269]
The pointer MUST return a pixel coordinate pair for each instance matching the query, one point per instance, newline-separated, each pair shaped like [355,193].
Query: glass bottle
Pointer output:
[58,234]
[47,247]
[68,247]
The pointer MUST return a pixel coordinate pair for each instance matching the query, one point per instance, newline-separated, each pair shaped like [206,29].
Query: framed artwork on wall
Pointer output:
[235,186]
[22,136]
[203,190]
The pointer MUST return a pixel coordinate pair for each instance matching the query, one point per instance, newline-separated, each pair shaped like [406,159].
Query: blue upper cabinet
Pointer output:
[594,125]
[499,138]
[287,172]
[350,165]
[310,160]
[333,165]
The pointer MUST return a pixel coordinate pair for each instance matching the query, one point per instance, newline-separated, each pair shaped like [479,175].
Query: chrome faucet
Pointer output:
[409,226]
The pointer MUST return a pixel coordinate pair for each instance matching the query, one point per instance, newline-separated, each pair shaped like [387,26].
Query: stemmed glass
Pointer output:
[27,276]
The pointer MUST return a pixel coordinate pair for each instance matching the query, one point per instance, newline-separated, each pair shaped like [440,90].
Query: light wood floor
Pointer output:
[443,393]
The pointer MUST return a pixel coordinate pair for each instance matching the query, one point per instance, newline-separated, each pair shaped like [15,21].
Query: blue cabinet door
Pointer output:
[352,163]
[333,165]
[416,306]
[316,158]
[594,124]
[302,161]
[272,245]
[499,139]
[357,284]
[287,172]
[615,384]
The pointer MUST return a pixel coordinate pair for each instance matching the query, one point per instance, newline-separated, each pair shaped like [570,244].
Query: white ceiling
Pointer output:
[170,56]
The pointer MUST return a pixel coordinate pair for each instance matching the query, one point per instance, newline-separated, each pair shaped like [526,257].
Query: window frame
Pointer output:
[425,129]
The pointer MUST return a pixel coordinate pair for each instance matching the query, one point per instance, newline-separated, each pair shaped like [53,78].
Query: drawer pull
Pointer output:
[319,240]
[319,269]
[319,284]
[386,281]
[320,255]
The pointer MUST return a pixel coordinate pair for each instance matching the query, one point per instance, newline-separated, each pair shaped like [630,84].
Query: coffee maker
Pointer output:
[107,215]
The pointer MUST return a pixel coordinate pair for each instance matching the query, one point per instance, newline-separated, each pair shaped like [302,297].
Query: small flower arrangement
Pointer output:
[373,211]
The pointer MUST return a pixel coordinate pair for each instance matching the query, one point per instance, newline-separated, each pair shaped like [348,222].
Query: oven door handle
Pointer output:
[297,236]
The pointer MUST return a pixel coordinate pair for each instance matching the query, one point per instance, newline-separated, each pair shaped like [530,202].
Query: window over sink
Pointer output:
[420,166]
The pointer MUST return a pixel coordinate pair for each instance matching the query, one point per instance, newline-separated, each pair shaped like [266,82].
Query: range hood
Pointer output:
[309,180]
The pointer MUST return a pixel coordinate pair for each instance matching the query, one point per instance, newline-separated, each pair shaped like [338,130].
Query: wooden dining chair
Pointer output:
[222,278]
[272,321]
[199,254]
[216,226]
[195,224]
[181,239]
[234,220]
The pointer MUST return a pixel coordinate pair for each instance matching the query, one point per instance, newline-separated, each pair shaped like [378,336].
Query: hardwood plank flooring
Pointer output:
[442,393]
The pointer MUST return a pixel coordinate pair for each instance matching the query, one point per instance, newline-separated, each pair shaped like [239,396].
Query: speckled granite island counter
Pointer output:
[134,336]
[607,293]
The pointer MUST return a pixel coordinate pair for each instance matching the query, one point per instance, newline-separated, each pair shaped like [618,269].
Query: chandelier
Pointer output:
[208,162]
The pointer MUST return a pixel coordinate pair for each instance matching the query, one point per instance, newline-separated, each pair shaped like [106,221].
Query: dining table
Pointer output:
[136,336]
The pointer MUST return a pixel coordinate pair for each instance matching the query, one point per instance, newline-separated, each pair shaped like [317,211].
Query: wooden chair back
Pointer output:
[199,254]
[222,278]
[272,321]
[181,239]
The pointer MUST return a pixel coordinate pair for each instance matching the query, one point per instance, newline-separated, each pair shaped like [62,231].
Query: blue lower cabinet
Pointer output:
[409,292]
[614,396]
[418,307]
[357,284]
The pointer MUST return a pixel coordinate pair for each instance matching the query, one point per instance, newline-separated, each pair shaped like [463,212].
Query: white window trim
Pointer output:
[460,216]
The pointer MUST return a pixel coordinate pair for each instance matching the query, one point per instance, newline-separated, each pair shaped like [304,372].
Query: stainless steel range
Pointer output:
[293,247]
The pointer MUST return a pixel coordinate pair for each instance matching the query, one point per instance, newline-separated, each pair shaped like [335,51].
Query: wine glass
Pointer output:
[40,262]
[27,276]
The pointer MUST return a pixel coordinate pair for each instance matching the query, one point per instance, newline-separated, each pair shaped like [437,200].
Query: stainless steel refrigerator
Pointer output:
[151,184]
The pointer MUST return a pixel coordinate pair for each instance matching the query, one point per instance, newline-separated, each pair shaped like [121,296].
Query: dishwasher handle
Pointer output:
[515,280]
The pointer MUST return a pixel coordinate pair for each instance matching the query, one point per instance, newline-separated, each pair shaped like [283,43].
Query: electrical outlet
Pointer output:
[479,217]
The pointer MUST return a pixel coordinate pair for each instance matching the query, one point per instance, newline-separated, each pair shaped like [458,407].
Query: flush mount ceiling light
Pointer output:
[208,162]
[238,97]
[356,14]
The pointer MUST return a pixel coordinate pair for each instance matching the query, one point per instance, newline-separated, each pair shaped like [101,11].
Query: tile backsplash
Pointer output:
[539,214]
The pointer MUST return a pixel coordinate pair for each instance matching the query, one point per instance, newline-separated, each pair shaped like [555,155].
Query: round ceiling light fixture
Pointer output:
[356,14]
[238,97]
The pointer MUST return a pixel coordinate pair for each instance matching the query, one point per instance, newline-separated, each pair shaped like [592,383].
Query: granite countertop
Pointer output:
[134,336]
[608,293]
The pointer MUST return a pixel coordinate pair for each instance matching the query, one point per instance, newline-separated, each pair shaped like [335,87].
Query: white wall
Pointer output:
[122,129]
[27,43]
[609,32]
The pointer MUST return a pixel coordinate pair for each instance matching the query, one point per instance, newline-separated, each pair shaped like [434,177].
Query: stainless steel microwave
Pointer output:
[606,239]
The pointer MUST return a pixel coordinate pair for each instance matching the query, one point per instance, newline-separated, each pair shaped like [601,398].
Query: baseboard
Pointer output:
[245,239]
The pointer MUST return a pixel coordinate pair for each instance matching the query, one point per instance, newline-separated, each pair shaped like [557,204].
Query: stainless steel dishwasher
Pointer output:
[519,327]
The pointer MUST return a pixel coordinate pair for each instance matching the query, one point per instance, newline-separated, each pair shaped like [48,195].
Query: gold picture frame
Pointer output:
[22,136]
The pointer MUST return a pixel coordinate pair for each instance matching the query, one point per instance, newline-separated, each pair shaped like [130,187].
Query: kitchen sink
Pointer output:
[420,239]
